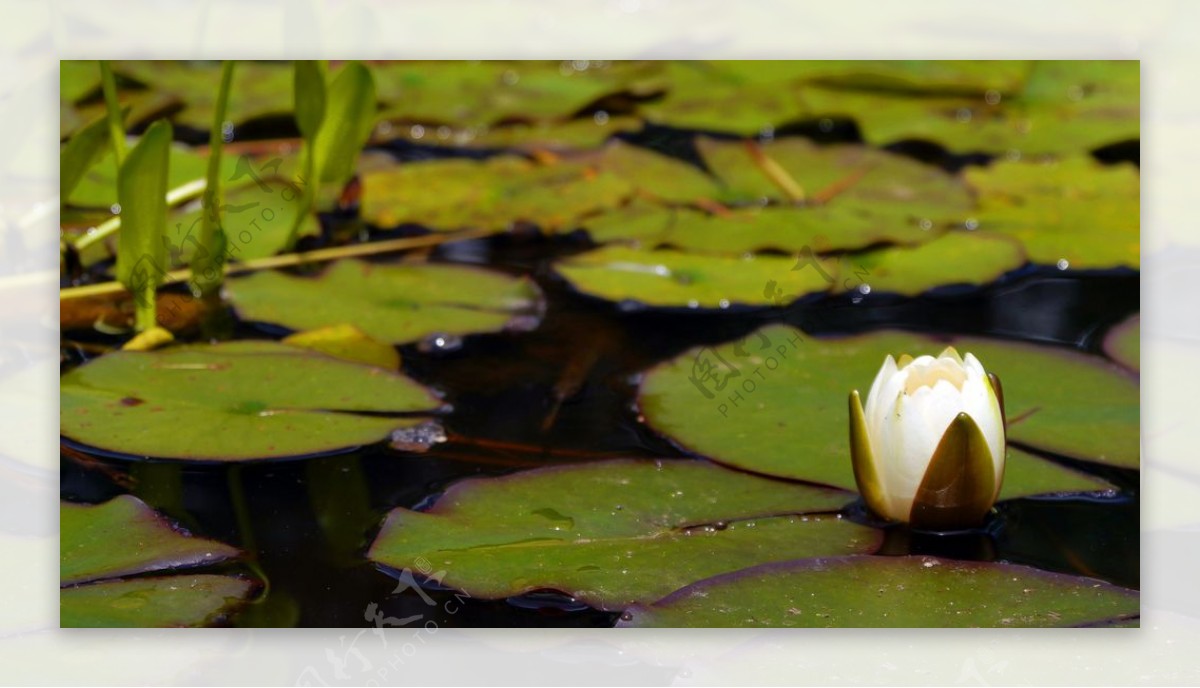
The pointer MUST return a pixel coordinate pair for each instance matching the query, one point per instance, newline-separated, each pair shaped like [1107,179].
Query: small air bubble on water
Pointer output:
[601,117]
[971,224]
[1063,264]
[440,343]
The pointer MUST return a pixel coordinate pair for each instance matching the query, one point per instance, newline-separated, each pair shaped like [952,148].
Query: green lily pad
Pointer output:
[1063,107]
[233,402]
[658,176]
[256,220]
[259,89]
[348,343]
[1074,212]
[892,592]
[1026,475]
[391,303]
[1123,342]
[614,532]
[869,181]
[775,403]
[479,94]
[98,187]
[675,279]
[489,194]
[124,537]
[955,258]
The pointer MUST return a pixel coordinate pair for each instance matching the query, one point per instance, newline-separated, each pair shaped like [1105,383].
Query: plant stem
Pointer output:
[116,128]
[179,194]
[288,260]
[207,264]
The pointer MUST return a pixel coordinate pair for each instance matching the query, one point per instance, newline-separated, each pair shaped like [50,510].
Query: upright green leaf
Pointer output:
[81,152]
[141,191]
[309,96]
[208,264]
[347,124]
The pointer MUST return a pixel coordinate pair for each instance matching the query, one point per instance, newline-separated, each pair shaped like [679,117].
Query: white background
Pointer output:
[33,36]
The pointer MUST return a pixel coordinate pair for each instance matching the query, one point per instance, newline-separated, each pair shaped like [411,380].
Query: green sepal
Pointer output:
[959,485]
[862,458]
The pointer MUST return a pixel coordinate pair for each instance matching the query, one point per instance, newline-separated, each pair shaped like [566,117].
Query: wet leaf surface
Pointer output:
[102,543]
[614,532]
[775,402]
[680,280]
[900,592]
[1072,213]
[958,258]
[233,402]
[391,303]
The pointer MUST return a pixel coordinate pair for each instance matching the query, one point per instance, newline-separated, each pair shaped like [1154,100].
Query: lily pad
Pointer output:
[893,592]
[658,176]
[1074,212]
[1063,107]
[123,537]
[98,187]
[775,402]
[259,89]
[1123,342]
[391,303]
[858,179]
[490,194]
[954,259]
[675,279]
[233,402]
[614,532]
[348,343]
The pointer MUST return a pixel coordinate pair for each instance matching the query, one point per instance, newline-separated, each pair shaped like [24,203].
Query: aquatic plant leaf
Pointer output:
[255,219]
[98,187]
[1123,342]
[166,601]
[82,151]
[235,401]
[614,532]
[77,78]
[122,537]
[658,176]
[1026,475]
[391,303]
[774,402]
[260,89]
[1063,107]
[569,135]
[488,194]
[348,343]
[867,181]
[309,91]
[349,118]
[142,190]
[675,279]
[905,592]
[1074,210]
[956,258]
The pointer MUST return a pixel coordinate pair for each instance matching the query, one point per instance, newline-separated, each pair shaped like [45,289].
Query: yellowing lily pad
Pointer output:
[1072,213]
[348,343]
[489,194]
[675,279]
[391,303]
[233,402]
[775,402]
[1123,342]
[100,544]
[892,592]
[956,258]
[614,532]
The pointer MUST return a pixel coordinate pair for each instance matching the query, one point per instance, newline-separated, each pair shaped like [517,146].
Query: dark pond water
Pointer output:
[565,393]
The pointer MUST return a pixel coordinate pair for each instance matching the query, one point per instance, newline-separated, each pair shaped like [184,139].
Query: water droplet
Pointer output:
[723,303]
[971,224]
[992,97]
[926,224]
[601,117]
[440,343]
[419,438]
[227,131]
[627,616]
[1013,155]
[864,289]
[91,230]
[510,77]
[825,125]
[384,128]
[443,132]
[963,115]
[580,65]
[767,133]
[417,131]
[115,209]
[1063,264]
[692,303]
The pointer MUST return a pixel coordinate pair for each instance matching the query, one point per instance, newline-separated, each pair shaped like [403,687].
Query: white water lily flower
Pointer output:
[928,449]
